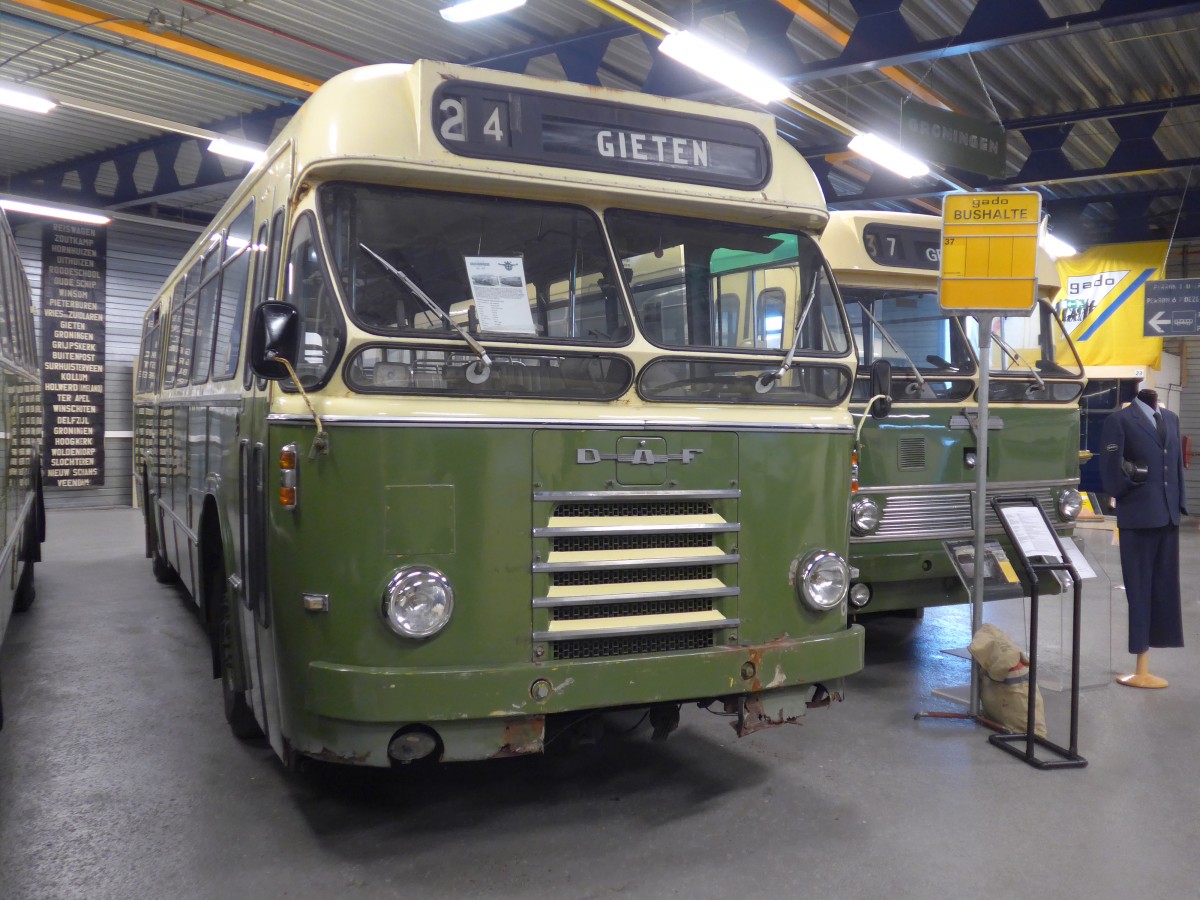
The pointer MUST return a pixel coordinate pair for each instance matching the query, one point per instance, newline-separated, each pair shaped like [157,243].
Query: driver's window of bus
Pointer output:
[490,265]
[698,283]
[308,290]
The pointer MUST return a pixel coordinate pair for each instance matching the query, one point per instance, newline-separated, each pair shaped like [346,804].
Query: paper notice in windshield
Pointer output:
[501,300]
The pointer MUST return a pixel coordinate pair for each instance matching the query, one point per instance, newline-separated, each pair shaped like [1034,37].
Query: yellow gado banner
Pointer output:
[1102,302]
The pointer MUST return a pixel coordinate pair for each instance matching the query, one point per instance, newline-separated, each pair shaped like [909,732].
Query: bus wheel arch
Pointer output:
[219,611]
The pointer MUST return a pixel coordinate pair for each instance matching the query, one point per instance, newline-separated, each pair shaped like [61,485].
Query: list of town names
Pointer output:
[74,262]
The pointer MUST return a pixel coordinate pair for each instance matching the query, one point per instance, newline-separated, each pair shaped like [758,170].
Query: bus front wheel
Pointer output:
[238,713]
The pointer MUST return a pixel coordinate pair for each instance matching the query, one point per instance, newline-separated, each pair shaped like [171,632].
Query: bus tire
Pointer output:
[26,591]
[164,572]
[238,713]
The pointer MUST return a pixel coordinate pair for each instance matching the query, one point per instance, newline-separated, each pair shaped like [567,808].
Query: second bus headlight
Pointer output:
[1070,504]
[418,602]
[864,515]
[824,579]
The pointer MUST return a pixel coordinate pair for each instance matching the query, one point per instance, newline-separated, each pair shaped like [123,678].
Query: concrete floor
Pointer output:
[119,778]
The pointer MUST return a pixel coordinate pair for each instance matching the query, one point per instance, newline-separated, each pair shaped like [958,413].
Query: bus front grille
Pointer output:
[627,573]
[943,515]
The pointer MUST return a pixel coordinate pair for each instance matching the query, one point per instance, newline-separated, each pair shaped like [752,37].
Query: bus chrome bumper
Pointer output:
[500,711]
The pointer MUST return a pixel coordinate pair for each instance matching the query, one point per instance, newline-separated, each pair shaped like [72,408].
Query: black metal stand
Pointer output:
[1069,757]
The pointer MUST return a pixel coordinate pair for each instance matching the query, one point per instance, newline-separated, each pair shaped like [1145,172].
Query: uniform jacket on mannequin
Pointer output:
[1129,434]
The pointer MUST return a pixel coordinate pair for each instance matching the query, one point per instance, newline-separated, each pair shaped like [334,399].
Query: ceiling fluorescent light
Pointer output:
[720,65]
[245,152]
[54,212]
[24,100]
[470,10]
[1056,247]
[888,155]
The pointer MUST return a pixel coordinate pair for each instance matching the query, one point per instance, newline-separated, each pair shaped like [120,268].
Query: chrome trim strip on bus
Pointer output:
[10,545]
[642,597]
[992,488]
[626,631]
[668,528]
[191,535]
[566,424]
[604,565]
[199,400]
[563,496]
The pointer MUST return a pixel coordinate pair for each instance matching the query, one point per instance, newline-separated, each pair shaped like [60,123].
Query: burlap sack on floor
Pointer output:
[1004,691]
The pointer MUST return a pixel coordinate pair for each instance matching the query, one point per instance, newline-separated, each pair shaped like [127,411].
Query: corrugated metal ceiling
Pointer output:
[1052,76]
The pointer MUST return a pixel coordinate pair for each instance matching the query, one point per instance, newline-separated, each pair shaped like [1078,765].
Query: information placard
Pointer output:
[74,263]
[989,252]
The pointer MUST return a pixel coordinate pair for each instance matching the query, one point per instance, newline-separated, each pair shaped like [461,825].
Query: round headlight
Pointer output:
[417,602]
[824,578]
[1070,504]
[864,515]
[860,595]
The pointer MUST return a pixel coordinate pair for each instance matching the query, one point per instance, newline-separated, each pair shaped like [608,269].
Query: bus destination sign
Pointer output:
[565,132]
[906,248]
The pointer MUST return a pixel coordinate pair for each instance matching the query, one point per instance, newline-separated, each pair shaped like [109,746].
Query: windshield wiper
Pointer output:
[476,374]
[1020,361]
[768,379]
[920,382]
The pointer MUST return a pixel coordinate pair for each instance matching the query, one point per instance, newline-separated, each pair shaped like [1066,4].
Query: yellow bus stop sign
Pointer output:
[989,252]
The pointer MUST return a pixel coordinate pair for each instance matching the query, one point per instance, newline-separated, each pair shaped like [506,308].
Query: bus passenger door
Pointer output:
[254,607]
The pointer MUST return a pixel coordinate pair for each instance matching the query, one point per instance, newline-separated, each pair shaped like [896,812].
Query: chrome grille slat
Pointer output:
[669,628]
[602,565]
[587,600]
[566,530]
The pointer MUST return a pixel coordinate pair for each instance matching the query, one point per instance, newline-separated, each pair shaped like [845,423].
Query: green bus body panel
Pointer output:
[1034,444]
[463,500]
[429,695]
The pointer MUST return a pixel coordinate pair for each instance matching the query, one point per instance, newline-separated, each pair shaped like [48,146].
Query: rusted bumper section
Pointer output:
[784,706]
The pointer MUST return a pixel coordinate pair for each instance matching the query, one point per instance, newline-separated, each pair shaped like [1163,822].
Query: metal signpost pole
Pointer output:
[979,512]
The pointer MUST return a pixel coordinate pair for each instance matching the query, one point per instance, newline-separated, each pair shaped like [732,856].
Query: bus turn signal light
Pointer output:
[288,492]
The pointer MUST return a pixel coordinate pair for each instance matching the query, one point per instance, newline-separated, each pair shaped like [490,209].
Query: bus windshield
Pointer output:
[909,329]
[1029,353]
[697,283]
[513,269]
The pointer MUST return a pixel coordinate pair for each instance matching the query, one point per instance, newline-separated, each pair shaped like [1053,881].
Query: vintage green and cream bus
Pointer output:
[915,403]
[457,435]
[23,523]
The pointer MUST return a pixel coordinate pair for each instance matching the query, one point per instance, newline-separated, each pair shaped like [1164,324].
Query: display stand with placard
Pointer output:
[1040,552]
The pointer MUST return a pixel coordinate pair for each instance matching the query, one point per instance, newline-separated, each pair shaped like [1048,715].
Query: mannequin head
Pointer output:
[1149,397]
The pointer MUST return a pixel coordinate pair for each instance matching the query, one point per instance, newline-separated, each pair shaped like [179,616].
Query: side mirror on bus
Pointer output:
[881,386]
[274,336]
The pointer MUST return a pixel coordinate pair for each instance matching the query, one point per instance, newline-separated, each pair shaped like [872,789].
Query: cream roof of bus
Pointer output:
[375,114]
[842,244]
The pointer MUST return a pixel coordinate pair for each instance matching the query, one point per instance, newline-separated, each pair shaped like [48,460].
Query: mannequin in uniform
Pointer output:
[1141,465]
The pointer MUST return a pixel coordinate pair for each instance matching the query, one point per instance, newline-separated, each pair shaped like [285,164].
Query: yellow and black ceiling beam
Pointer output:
[176,43]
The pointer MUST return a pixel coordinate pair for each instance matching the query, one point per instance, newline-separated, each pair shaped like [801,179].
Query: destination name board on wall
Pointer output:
[488,122]
[74,264]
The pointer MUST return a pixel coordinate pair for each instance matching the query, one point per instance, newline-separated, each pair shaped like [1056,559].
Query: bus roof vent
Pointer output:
[912,453]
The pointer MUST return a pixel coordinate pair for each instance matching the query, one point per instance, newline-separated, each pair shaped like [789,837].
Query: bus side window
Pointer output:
[771,305]
[232,305]
[10,280]
[728,308]
[257,279]
[206,315]
[171,359]
[308,290]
